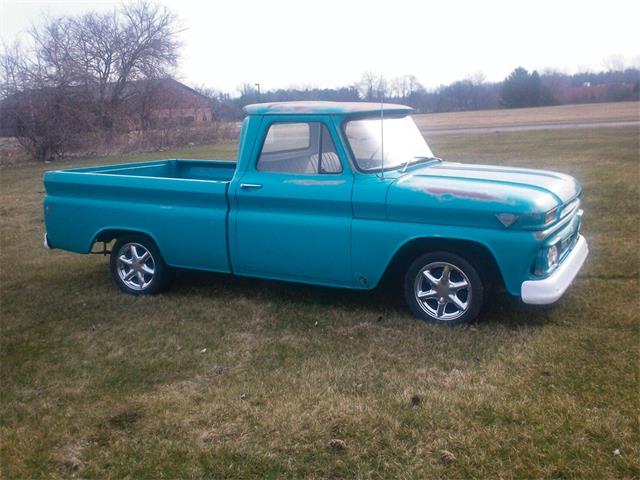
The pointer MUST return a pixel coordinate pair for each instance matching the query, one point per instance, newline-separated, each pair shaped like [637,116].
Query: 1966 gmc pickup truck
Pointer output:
[338,194]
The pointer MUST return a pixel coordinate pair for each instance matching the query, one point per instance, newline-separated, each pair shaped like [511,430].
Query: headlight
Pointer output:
[546,261]
[552,257]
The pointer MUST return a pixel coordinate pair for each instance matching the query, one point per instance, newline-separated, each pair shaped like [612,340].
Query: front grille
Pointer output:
[568,242]
[570,208]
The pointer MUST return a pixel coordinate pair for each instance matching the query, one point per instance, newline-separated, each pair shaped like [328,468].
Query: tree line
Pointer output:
[519,89]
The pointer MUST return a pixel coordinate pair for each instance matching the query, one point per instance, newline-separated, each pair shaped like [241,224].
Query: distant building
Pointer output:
[167,102]
[588,92]
[147,104]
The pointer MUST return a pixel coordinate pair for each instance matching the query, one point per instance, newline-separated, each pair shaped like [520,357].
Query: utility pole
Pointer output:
[258,87]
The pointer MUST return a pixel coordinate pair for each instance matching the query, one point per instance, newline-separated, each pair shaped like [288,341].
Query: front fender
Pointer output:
[375,243]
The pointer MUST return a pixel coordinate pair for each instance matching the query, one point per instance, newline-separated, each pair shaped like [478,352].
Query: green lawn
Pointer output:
[95,383]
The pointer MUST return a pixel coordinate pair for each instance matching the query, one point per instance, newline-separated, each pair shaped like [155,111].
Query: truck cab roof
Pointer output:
[327,108]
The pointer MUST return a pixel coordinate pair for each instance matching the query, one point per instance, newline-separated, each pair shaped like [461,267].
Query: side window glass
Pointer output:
[302,148]
[284,137]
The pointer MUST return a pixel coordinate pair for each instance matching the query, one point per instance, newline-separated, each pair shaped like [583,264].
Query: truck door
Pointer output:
[293,205]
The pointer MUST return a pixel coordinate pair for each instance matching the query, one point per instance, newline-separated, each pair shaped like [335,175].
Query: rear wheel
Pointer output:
[443,288]
[137,266]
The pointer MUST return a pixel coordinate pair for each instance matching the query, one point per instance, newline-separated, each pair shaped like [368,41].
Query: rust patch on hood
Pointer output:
[469,194]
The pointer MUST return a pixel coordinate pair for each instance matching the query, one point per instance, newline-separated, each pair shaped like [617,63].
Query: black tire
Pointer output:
[147,283]
[429,308]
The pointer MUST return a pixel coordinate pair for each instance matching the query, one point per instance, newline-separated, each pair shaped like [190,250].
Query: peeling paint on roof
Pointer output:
[341,108]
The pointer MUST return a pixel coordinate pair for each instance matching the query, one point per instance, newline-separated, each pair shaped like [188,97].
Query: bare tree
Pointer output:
[403,87]
[148,47]
[138,42]
[614,63]
[372,86]
[84,66]
[476,78]
[366,86]
[11,70]
[39,103]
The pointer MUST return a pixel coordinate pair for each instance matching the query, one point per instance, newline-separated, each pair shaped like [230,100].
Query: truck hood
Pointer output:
[478,195]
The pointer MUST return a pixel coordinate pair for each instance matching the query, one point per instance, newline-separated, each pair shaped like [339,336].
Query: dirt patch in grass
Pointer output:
[125,419]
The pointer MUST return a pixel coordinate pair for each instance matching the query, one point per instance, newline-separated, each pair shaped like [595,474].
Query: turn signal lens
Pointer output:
[550,216]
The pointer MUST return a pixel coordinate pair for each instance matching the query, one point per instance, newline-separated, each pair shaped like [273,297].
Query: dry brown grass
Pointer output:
[11,152]
[563,114]
[306,382]
[101,144]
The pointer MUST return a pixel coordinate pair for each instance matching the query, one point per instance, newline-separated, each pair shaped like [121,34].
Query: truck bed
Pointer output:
[181,204]
[183,169]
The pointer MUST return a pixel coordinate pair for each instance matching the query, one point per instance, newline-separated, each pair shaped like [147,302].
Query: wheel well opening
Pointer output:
[475,253]
[107,236]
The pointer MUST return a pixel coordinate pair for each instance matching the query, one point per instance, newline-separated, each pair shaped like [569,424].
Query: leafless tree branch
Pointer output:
[78,72]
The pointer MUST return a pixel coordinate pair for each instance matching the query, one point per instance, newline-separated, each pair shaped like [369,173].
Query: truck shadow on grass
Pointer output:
[385,301]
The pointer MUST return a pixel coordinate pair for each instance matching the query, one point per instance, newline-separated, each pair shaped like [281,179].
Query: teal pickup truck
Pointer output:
[336,194]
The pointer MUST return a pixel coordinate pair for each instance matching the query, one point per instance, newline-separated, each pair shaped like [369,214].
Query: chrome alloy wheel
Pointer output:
[135,266]
[443,291]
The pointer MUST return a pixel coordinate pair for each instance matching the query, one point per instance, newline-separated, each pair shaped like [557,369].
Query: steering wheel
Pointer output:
[369,163]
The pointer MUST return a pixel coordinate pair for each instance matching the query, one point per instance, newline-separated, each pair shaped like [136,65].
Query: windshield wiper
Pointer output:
[420,158]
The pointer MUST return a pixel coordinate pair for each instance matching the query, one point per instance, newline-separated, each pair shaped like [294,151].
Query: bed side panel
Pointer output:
[186,218]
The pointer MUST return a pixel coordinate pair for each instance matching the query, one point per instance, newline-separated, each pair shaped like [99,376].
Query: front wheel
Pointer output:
[137,266]
[443,288]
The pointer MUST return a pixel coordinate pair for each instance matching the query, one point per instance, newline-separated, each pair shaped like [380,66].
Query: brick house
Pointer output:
[167,102]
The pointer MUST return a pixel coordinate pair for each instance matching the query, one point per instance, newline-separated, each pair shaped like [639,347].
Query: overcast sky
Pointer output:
[329,43]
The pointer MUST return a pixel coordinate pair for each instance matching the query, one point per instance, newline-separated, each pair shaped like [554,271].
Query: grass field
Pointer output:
[234,378]
[521,117]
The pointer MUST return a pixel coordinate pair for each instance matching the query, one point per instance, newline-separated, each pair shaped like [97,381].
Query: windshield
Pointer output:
[403,143]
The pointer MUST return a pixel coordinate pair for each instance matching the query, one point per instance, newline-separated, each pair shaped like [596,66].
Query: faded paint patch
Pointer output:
[450,193]
[323,107]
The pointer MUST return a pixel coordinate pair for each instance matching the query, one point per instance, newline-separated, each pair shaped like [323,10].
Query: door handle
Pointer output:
[247,186]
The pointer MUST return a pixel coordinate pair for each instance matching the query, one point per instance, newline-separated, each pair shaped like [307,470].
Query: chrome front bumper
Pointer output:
[550,289]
